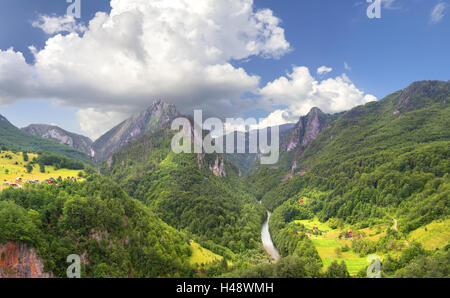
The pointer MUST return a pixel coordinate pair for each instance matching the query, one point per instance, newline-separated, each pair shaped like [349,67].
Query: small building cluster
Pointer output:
[20,181]
[315,231]
[349,235]
[13,184]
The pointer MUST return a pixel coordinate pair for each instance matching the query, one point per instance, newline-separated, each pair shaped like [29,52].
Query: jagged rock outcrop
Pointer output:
[306,130]
[158,116]
[17,260]
[59,135]
[219,167]
[298,139]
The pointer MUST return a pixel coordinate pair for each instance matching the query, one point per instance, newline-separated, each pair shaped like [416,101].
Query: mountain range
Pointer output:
[371,180]
[294,138]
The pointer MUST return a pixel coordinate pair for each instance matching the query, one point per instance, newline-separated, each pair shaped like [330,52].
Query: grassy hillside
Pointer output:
[13,138]
[12,166]
[202,255]
[432,236]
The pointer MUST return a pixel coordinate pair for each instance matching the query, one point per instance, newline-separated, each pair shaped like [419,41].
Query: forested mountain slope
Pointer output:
[197,193]
[387,157]
[115,235]
[377,179]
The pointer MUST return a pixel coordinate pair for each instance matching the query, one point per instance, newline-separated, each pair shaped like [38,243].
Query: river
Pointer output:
[267,240]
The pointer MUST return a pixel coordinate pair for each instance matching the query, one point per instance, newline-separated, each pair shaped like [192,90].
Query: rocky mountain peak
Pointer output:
[306,129]
[315,111]
[158,115]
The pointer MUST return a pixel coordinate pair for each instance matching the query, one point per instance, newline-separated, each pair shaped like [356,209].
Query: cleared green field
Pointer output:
[201,255]
[435,235]
[328,254]
[353,265]
[325,243]
[14,167]
[329,242]
[310,224]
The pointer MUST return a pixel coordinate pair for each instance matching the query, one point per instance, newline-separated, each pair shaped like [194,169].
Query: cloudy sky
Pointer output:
[230,58]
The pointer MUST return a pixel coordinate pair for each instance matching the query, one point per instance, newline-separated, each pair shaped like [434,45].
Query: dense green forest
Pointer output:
[58,161]
[185,193]
[116,235]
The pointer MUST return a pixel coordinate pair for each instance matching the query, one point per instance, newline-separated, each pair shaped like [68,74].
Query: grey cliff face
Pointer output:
[306,130]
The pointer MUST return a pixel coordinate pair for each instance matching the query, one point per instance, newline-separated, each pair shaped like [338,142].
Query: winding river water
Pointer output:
[267,240]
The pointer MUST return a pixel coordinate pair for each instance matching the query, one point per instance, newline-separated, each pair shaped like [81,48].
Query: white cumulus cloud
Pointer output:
[16,76]
[299,92]
[177,50]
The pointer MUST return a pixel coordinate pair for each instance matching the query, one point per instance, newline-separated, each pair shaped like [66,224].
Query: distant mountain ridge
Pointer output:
[13,138]
[64,137]
[247,161]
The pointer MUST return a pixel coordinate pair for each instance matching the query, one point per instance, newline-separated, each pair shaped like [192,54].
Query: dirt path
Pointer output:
[395,227]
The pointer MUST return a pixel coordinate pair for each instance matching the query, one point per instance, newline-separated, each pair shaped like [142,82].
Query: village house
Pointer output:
[33,181]
[350,234]
[12,184]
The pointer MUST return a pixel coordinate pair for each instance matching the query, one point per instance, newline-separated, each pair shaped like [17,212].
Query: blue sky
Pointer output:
[382,55]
